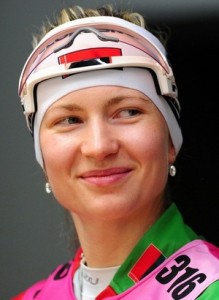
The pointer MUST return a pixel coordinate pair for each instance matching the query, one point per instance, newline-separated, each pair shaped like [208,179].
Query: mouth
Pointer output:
[106,176]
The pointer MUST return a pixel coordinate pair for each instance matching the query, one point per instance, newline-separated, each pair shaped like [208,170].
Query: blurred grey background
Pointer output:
[34,234]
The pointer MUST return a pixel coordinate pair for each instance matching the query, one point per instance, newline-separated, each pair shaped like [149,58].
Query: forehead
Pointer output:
[50,91]
[110,95]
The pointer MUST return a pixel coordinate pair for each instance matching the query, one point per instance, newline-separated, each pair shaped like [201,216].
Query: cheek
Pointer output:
[151,149]
[59,156]
[150,142]
[56,151]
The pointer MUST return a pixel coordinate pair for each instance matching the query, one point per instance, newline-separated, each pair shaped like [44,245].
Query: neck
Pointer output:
[107,243]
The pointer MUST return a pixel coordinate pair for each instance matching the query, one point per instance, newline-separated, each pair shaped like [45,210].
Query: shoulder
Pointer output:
[57,280]
[211,293]
[31,292]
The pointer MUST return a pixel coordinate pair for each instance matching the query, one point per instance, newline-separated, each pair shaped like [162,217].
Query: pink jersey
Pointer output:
[184,275]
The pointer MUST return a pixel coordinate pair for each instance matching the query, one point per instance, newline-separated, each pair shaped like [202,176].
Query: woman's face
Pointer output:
[106,152]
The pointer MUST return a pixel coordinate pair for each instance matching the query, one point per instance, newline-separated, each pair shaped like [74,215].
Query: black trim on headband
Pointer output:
[174,107]
[155,80]
[90,62]
[31,117]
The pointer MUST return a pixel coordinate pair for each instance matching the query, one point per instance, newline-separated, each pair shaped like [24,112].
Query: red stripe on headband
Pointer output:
[87,54]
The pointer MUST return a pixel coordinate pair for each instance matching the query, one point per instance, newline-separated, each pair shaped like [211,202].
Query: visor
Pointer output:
[105,42]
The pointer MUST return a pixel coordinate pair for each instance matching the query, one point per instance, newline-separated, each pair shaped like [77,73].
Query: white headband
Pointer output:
[52,90]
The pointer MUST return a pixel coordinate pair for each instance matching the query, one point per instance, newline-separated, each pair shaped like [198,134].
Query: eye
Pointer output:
[71,120]
[128,112]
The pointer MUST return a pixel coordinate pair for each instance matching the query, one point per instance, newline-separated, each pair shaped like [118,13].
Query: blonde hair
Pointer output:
[77,12]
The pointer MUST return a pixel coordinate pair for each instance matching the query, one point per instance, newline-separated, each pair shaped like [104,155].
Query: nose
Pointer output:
[99,140]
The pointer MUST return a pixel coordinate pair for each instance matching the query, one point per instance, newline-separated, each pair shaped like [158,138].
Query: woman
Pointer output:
[101,102]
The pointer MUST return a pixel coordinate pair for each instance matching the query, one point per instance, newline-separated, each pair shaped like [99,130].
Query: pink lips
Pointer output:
[105,177]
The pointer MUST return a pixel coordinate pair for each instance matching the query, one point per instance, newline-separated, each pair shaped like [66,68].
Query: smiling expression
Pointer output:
[106,152]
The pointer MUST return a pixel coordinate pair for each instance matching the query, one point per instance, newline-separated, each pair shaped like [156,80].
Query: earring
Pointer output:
[172,170]
[48,188]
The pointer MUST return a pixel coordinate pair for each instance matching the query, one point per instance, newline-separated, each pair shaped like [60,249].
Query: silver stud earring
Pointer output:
[172,170]
[48,188]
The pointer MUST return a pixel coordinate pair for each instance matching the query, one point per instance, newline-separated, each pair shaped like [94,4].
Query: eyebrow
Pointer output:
[68,107]
[115,100]
[118,99]
[111,102]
